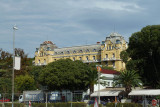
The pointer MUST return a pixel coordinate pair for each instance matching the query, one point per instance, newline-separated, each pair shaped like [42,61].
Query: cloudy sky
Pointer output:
[72,22]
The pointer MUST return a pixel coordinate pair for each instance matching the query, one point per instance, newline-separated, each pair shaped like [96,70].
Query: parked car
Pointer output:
[5,100]
[92,102]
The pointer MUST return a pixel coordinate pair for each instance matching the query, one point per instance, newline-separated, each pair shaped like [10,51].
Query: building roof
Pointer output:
[47,42]
[106,71]
[77,49]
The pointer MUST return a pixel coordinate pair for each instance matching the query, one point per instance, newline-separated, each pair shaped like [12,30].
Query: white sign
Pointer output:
[17,63]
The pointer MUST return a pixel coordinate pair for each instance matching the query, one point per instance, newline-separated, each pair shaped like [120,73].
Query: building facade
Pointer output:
[106,52]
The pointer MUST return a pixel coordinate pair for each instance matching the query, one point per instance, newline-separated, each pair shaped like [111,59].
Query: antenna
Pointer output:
[114,28]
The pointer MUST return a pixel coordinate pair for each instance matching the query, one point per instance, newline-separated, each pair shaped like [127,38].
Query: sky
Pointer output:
[70,23]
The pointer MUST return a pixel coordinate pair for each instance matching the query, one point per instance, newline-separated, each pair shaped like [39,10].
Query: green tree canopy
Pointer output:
[25,83]
[144,51]
[65,74]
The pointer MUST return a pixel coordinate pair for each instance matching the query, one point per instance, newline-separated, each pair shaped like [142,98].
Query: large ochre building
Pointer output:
[106,52]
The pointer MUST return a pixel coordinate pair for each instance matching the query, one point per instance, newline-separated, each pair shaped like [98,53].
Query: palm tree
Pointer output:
[128,79]
[93,77]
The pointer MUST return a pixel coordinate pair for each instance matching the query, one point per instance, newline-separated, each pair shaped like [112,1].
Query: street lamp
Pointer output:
[99,69]
[14,29]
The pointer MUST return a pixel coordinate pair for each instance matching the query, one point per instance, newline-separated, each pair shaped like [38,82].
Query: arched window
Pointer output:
[118,41]
[68,52]
[74,59]
[80,58]
[44,61]
[94,58]
[106,55]
[94,50]
[80,51]
[113,55]
[74,51]
[87,50]
[87,58]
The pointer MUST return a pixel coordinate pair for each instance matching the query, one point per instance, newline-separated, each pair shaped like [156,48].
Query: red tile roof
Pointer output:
[47,42]
[106,71]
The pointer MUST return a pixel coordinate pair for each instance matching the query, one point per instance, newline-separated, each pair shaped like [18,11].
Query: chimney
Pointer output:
[98,42]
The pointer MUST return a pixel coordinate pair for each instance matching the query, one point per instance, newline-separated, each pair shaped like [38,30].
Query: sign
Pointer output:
[95,103]
[99,68]
[29,103]
[154,102]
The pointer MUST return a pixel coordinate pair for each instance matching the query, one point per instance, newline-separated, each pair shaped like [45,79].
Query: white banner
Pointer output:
[17,65]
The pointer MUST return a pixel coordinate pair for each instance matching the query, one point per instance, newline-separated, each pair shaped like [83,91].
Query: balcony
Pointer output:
[40,64]
[105,59]
[88,61]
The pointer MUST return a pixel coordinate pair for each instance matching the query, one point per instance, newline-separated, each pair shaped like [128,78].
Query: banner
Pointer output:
[17,64]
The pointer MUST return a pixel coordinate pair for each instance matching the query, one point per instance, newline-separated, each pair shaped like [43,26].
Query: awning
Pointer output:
[107,93]
[145,92]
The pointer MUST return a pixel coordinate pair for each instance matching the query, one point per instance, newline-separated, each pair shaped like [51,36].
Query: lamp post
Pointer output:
[98,69]
[14,29]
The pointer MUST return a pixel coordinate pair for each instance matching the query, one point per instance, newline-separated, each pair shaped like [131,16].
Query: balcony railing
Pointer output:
[88,61]
[39,64]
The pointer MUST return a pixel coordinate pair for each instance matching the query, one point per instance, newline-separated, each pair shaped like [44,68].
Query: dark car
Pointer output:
[92,102]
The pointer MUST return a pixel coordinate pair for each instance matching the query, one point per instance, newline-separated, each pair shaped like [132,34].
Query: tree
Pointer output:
[128,79]
[93,77]
[25,83]
[144,51]
[124,56]
[65,74]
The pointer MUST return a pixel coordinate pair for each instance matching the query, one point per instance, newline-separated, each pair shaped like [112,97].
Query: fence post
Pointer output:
[71,99]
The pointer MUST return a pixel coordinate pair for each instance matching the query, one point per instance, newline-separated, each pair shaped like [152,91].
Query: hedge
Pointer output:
[15,105]
[124,105]
[74,104]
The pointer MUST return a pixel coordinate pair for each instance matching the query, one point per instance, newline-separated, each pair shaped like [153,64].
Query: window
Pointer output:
[94,58]
[112,84]
[68,52]
[106,55]
[118,41]
[108,83]
[80,51]
[94,50]
[112,47]
[48,48]
[73,58]
[61,52]
[109,47]
[44,60]
[39,61]
[113,55]
[87,58]
[87,50]
[80,58]
[113,64]
[106,63]
[55,53]
[74,51]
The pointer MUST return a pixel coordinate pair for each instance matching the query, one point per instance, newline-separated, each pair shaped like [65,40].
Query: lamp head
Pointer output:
[15,28]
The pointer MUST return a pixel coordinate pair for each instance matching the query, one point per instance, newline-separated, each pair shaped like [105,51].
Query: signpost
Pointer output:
[99,69]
